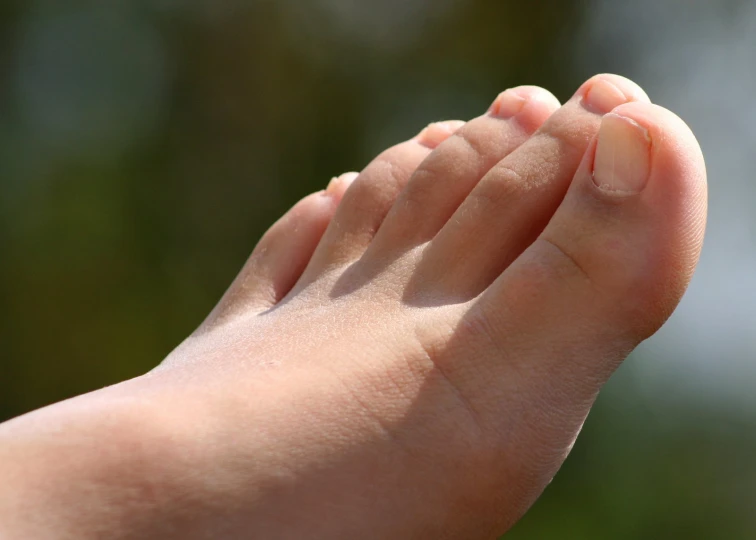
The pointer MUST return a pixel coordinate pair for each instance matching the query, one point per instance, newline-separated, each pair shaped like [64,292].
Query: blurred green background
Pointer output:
[145,147]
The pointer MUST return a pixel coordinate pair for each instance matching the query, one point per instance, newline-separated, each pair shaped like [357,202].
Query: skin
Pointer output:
[410,353]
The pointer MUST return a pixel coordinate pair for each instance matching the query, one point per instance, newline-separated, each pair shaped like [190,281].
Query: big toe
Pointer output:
[616,257]
[606,272]
[627,237]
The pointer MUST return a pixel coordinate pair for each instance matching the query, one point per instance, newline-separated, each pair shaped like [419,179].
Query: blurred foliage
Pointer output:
[144,148]
[639,470]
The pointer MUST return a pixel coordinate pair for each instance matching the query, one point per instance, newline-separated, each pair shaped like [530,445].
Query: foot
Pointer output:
[412,352]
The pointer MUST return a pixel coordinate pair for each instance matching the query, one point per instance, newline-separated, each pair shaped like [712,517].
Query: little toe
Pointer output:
[369,199]
[282,254]
[513,202]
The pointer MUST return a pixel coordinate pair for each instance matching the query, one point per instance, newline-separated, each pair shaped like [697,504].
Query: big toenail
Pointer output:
[508,104]
[621,165]
[602,97]
[437,133]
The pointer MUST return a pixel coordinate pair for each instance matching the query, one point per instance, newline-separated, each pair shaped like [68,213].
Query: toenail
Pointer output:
[345,179]
[621,165]
[438,132]
[508,104]
[602,97]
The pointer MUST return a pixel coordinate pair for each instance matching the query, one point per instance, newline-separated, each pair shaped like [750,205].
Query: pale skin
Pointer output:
[410,353]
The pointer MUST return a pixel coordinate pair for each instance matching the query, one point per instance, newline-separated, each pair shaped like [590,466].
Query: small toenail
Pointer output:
[438,132]
[508,104]
[345,179]
[602,97]
[622,162]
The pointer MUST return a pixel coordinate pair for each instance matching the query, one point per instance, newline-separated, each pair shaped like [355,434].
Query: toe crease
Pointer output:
[471,409]
[571,259]
[477,152]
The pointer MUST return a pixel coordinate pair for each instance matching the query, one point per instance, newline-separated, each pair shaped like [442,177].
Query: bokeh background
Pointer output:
[145,146]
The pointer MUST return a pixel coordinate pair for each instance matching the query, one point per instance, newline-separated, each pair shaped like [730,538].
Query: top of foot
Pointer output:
[472,290]
[417,346]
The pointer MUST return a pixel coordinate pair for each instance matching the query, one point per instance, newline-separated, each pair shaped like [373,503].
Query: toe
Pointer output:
[281,255]
[628,235]
[605,273]
[448,175]
[369,199]
[610,266]
[513,202]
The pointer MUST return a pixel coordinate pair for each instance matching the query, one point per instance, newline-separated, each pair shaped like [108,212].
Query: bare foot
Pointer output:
[412,352]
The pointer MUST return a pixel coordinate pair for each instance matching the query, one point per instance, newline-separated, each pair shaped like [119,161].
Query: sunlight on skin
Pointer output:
[409,353]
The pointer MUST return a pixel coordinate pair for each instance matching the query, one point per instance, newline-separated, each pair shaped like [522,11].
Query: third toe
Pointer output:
[446,176]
